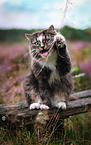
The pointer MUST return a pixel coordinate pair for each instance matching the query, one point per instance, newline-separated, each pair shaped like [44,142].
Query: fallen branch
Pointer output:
[19,115]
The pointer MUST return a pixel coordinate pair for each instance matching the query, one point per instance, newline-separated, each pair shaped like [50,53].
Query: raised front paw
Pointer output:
[61,105]
[59,37]
[34,106]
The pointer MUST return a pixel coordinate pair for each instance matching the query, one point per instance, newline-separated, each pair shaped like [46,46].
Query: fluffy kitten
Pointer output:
[49,82]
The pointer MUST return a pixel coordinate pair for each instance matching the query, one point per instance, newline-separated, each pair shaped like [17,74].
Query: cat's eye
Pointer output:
[37,43]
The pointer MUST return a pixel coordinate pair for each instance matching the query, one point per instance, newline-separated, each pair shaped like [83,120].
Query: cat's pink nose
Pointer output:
[42,45]
[45,46]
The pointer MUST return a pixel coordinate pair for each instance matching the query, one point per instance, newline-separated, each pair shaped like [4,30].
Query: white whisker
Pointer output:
[33,50]
[24,56]
[35,54]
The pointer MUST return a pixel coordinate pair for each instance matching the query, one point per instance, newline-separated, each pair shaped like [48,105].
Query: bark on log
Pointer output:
[19,115]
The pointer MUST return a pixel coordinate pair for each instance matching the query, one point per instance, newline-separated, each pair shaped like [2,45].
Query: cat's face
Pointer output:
[42,42]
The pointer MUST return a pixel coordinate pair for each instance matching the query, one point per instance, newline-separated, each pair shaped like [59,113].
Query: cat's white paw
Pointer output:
[59,36]
[61,105]
[34,106]
[44,107]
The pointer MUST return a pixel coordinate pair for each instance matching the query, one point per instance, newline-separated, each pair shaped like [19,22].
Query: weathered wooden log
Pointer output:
[19,115]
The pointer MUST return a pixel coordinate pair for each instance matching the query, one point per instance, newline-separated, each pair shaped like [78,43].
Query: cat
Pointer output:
[49,82]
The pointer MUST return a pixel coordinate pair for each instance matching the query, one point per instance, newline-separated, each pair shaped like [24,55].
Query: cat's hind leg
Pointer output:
[61,105]
[59,101]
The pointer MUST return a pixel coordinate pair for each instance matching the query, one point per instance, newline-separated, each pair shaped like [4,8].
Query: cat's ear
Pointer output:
[51,28]
[28,36]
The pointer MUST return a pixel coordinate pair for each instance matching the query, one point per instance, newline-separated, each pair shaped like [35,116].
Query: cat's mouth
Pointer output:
[45,53]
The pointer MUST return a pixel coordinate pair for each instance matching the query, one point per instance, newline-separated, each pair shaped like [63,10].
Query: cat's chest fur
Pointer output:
[51,64]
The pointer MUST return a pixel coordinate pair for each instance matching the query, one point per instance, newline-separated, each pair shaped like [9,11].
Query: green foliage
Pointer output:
[88,31]
[15,35]
[81,82]
[74,69]
[80,79]
[75,34]
[86,51]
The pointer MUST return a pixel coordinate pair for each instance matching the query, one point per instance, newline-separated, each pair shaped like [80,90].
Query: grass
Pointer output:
[77,132]
[78,129]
